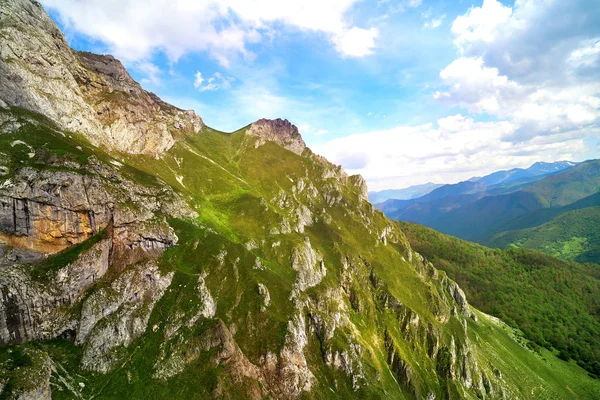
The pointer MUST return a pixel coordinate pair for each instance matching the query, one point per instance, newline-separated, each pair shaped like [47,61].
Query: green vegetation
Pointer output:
[573,236]
[244,196]
[555,303]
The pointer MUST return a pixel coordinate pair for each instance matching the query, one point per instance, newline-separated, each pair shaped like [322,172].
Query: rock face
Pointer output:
[81,92]
[47,211]
[114,316]
[280,131]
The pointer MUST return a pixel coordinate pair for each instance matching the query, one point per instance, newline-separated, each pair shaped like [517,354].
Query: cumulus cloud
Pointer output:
[431,21]
[480,24]
[215,82]
[455,148]
[586,55]
[515,65]
[356,42]
[134,29]
[151,71]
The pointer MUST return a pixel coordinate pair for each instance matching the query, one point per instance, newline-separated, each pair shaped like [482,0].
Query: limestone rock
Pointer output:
[359,182]
[308,264]
[34,310]
[282,132]
[48,211]
[81,92]
[115,316]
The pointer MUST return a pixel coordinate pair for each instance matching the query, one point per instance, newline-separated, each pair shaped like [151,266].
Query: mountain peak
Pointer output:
[79,91]
[280,131]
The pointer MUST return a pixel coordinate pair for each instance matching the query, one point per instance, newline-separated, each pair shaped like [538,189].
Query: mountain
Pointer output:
[511,284]
[440,200]
[573,235]
[544,215]
[485,217]
[146,255]
[474,211]
[520,174]
[408,193]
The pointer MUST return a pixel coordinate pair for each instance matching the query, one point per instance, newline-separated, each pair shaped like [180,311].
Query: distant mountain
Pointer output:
[484,217]
[574,235]
[549,213]
[441,200]
[544,215]
[518,174]
[408,193]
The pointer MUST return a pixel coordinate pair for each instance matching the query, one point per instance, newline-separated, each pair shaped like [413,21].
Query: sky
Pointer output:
[402,92]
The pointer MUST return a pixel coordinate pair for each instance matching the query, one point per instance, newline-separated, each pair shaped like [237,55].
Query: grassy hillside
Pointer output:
[554,302]
[237,188]
[569,186]
[574,236]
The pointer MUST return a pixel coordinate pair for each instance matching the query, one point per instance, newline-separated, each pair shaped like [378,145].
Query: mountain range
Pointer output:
[408,193]
[501,209]
[145,255]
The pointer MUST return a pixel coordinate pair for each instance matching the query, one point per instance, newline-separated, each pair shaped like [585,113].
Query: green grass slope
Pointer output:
[573,236]
[554,302]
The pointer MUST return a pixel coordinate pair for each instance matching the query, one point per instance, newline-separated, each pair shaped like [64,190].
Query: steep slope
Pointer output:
[234,265]
[81,92]
[554,302]
[276,288]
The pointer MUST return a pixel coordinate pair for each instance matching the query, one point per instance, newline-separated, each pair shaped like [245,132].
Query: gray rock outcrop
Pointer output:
[81,92]
[280,131]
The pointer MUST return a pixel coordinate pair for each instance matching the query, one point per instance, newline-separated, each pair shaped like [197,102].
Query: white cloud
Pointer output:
[151,71]
[515,68]
[474,86]
[456,149]
[480,23]
[215,82]
[356,42]
[433,23]
[587,54]
[135,29]
[321,132]
[198,79]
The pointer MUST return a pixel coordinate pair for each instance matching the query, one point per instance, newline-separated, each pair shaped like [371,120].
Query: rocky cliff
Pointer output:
[230,266]
[280,131]
[81,92]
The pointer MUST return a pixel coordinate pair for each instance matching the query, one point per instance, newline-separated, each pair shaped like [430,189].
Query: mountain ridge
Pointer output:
[408,193]
[90,94]
[225,265]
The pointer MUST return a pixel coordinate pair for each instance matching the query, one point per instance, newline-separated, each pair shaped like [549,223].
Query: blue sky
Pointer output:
[403,92]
